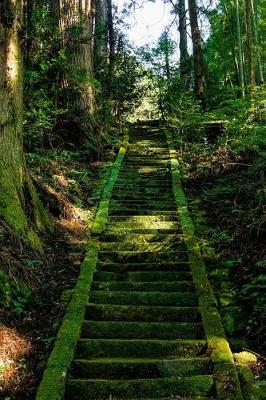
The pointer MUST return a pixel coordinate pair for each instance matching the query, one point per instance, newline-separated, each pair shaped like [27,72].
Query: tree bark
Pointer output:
[250,49]
[100,38]
[71,14]
[240,51]
[197,52]
[20,206]
[185,72]
[111,38]
[259,71]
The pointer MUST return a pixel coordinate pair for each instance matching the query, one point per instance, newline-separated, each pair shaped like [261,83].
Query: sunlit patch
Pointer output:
[146,170]
[13,348]
[61,180]
[13,60]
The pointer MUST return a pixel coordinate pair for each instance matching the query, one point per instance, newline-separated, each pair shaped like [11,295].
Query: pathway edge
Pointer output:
[100,221]
[225,372]
[53,383]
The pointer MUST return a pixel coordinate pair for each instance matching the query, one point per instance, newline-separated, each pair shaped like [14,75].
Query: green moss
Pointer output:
[106,312]
[245,357]
[102,214]
[34,239]
[138,389]
[144,298]
[53,382]
[226,379]
[141,330]
[144,368]
[140,348]
[12,211]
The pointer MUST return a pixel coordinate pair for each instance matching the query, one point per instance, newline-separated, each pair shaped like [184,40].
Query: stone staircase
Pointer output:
[143,335]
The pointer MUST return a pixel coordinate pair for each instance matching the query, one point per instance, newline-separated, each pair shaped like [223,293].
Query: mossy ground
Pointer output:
[31,299]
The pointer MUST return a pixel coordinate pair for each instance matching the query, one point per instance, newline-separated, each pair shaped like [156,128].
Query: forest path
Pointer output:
[144,335]
[151,327]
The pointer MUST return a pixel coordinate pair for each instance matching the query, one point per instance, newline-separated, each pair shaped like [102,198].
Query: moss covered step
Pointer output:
[147,161]
[138,212]
[143,224]
[142,247]
[128,230]
[146,256]
[155,237]
[144,267]
[136,368]
[144,219]
[143,238]
[82,389]
[144,181]
[143,204]
[143,186]
[104,312]
[143,276]
[141,330]
[145,286]
[177,299]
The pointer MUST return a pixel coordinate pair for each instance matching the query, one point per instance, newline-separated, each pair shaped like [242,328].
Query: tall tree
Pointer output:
[19,204]
[259,70]
[75,19]
[240,51]
[100,37]
[111,39]
[197,52]
[251,63]
[184,58]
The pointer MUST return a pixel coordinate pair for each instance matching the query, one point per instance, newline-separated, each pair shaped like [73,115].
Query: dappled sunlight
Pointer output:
[14,348]
[13,60]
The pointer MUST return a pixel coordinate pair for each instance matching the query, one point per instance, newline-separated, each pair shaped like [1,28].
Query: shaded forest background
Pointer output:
[70,82]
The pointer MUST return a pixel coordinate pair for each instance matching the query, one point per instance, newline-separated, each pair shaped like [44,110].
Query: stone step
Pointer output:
[121,268]
[177,299]
[136,212]
[84,389]
[139,368]
[95,348]
[128,230]
[162,225]
[144,286]
[144,219]
[104,312]
[143,204]
[148,256]
[142,238]
[143,276]
[142,247]
[141,330]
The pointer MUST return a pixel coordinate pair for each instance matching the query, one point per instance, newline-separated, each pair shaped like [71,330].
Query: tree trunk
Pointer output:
[240,52]
[259,71]
[185,72]
[69,15]
[111,37]
[100,38]
[250,49]
[197,52]
[20,206]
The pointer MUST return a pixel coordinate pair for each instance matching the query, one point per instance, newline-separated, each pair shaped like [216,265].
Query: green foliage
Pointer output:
[53,83]
[14,295]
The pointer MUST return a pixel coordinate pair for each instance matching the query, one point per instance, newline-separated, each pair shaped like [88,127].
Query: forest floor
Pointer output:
[227,199]
[34,305]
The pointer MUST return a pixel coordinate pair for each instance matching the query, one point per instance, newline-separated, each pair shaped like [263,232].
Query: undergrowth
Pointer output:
[226,184]
[32,283]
